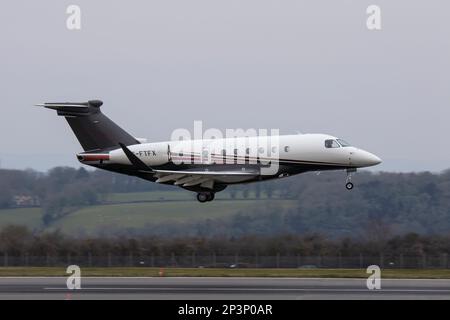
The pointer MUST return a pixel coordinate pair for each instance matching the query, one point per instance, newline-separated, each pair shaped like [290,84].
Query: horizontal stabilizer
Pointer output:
[93,129]
[73,109]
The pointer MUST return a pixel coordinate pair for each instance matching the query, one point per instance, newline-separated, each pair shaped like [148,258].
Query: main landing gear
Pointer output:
[348,181]
[205,196]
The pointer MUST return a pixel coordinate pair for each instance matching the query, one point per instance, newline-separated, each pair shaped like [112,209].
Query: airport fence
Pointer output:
[229,261]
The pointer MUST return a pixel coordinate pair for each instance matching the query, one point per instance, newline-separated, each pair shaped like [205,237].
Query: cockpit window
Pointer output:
[343,143]
[331,144]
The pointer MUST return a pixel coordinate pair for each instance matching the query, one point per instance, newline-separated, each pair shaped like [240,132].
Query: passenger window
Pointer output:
[331,144]
[286,149]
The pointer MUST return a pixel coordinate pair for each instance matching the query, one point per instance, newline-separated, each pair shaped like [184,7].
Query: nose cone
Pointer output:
[363,158]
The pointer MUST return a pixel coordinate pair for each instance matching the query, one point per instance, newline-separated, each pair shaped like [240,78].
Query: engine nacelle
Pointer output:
[152,154]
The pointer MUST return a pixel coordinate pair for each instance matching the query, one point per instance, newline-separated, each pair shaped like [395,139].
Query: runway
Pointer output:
[220,288]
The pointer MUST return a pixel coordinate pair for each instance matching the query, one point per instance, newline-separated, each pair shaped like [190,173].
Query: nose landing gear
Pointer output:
[348,182]
[205,196]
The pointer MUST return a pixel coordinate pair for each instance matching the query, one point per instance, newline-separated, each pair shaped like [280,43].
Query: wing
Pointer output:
[204,178]
[188,178]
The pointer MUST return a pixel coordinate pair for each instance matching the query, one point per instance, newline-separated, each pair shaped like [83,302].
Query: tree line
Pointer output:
[20,241]
[381,204]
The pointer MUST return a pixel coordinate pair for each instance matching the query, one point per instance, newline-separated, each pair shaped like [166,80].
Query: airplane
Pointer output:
[205,166]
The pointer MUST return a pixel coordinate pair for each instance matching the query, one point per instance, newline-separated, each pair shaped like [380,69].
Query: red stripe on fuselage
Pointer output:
[94,157]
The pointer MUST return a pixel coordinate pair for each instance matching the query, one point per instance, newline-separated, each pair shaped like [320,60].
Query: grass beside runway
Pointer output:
[216,272]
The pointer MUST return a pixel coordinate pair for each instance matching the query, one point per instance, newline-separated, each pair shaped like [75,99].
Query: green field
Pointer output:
[149,196]
[213,272]
[175,195]
[30,217]
[136,210]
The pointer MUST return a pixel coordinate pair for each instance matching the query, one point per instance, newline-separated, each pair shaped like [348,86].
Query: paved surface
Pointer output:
[220,288]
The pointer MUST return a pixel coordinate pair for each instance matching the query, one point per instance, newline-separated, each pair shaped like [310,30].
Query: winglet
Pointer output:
[137,163]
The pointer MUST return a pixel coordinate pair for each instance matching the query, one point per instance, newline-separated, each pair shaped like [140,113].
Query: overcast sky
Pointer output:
[308,66]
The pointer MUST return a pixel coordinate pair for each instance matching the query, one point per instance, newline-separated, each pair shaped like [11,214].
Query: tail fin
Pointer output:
[92,128]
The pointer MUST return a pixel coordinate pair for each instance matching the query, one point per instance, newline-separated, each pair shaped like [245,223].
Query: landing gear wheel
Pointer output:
[202,197]
[348,181]
[205,196]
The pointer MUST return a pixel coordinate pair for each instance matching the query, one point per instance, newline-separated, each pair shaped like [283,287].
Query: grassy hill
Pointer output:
[135,210]
[30,217]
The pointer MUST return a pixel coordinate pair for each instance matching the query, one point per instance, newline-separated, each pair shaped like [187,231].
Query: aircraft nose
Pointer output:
[363,158]
[372,159]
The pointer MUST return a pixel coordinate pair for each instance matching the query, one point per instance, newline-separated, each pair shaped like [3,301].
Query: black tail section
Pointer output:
[92,128]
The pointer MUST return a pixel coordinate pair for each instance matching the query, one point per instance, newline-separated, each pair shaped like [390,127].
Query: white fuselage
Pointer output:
[215,163]
[298,149]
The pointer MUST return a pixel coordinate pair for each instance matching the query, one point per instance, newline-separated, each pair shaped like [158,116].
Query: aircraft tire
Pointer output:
[202,197]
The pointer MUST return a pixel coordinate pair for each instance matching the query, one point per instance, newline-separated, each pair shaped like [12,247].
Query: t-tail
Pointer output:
[93,129]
